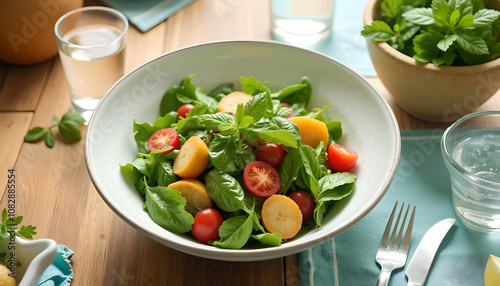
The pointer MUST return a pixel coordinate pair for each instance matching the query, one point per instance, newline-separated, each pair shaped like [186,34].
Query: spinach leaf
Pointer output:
[166,208]
[170,100]
[225,191]
[311,170]
[333,188]
[223,89]
[302,95]
[271,239]
[235,232]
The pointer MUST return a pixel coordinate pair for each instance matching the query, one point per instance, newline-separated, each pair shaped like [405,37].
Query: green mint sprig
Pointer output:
[69,128]
[446,32]
[9,226]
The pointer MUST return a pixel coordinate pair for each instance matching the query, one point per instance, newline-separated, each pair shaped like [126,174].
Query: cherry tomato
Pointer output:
[163,138]
[261,179]
[206,224]
[287,105]
[183,110]
[305,202]
[270,153]
[340,158]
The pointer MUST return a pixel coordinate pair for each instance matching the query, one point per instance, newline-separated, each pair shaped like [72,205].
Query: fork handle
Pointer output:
[385,275]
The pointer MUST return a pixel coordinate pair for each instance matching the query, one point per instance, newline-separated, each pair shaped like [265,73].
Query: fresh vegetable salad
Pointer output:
[240,168]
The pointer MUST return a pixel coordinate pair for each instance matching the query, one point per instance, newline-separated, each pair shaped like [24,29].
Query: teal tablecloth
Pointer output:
[421,179]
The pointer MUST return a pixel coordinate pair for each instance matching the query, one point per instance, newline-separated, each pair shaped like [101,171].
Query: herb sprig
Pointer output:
[69,128]
[444,32]
[9,226]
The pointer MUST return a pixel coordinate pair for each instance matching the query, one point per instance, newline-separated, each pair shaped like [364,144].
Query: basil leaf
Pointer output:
[35,134]
[252,86]
[485,17]
[73,116]
[283,93]
[165,174]
[50,138]
[311,170]
[289,169]
[471,43]
[271,239]
[207,100]
[280,136]
[257,106]
[213,121]
[166,121]
[235,232]
[170,100]
[243,156]
[225,191]
[222,151]
[70,130]
[166,208]
[332,181]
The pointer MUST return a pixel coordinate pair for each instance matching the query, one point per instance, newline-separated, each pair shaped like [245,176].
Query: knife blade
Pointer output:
[421,262]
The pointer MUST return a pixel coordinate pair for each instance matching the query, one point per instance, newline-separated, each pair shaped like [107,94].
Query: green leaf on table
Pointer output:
[70,130]
[35,134]
[50,139]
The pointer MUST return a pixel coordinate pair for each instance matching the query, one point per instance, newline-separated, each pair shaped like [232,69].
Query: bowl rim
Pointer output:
[373,5]
[259,253]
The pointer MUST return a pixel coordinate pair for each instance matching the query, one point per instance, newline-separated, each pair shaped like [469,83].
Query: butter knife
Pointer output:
[421,262]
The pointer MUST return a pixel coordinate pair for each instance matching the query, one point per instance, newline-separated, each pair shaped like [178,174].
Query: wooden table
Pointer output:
[53,188]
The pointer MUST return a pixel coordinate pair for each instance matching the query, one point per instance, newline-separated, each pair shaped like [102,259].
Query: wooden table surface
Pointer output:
[54,191]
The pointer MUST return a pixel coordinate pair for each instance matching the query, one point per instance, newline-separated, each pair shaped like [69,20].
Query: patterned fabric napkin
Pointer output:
[421,179]
[145,14]
[60,272]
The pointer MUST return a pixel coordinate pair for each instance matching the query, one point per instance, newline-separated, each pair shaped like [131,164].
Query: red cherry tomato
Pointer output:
[287,105]
[261,179]
[206,224]
[270,153]
[305,202]
[183,110]
[340,158]
[163,138]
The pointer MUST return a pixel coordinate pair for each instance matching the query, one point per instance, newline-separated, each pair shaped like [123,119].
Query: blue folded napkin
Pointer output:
[421,179]
[346,43]
[60,272]
[146,14]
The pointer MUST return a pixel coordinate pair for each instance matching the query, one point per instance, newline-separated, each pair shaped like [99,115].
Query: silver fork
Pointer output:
[392,253]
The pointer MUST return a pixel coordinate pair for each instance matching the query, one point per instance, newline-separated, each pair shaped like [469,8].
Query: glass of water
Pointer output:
[471,151]
[302,22]
[91,43]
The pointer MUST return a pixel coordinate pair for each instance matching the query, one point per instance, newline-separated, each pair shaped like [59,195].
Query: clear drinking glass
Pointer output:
[302,22]
[471,151]
[91,43]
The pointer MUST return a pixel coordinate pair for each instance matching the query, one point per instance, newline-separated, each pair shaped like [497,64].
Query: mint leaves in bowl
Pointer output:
[437,58]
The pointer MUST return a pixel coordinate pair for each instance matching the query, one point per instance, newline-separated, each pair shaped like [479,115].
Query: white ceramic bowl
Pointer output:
[369,127]
[35,256]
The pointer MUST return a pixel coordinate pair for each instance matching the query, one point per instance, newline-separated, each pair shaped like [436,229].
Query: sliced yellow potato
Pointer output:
[492,271]
[5,279]
[312,131]
[192,158]
[195,193]
[230,102]
[282,215]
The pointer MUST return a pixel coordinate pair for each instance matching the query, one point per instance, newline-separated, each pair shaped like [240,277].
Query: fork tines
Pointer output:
[385,242]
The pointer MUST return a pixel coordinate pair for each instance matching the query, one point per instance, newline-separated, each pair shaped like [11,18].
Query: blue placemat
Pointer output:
[422,179]
[346,43]
[145,14]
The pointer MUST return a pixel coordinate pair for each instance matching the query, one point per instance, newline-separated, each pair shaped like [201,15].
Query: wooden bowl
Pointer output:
[436,94]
